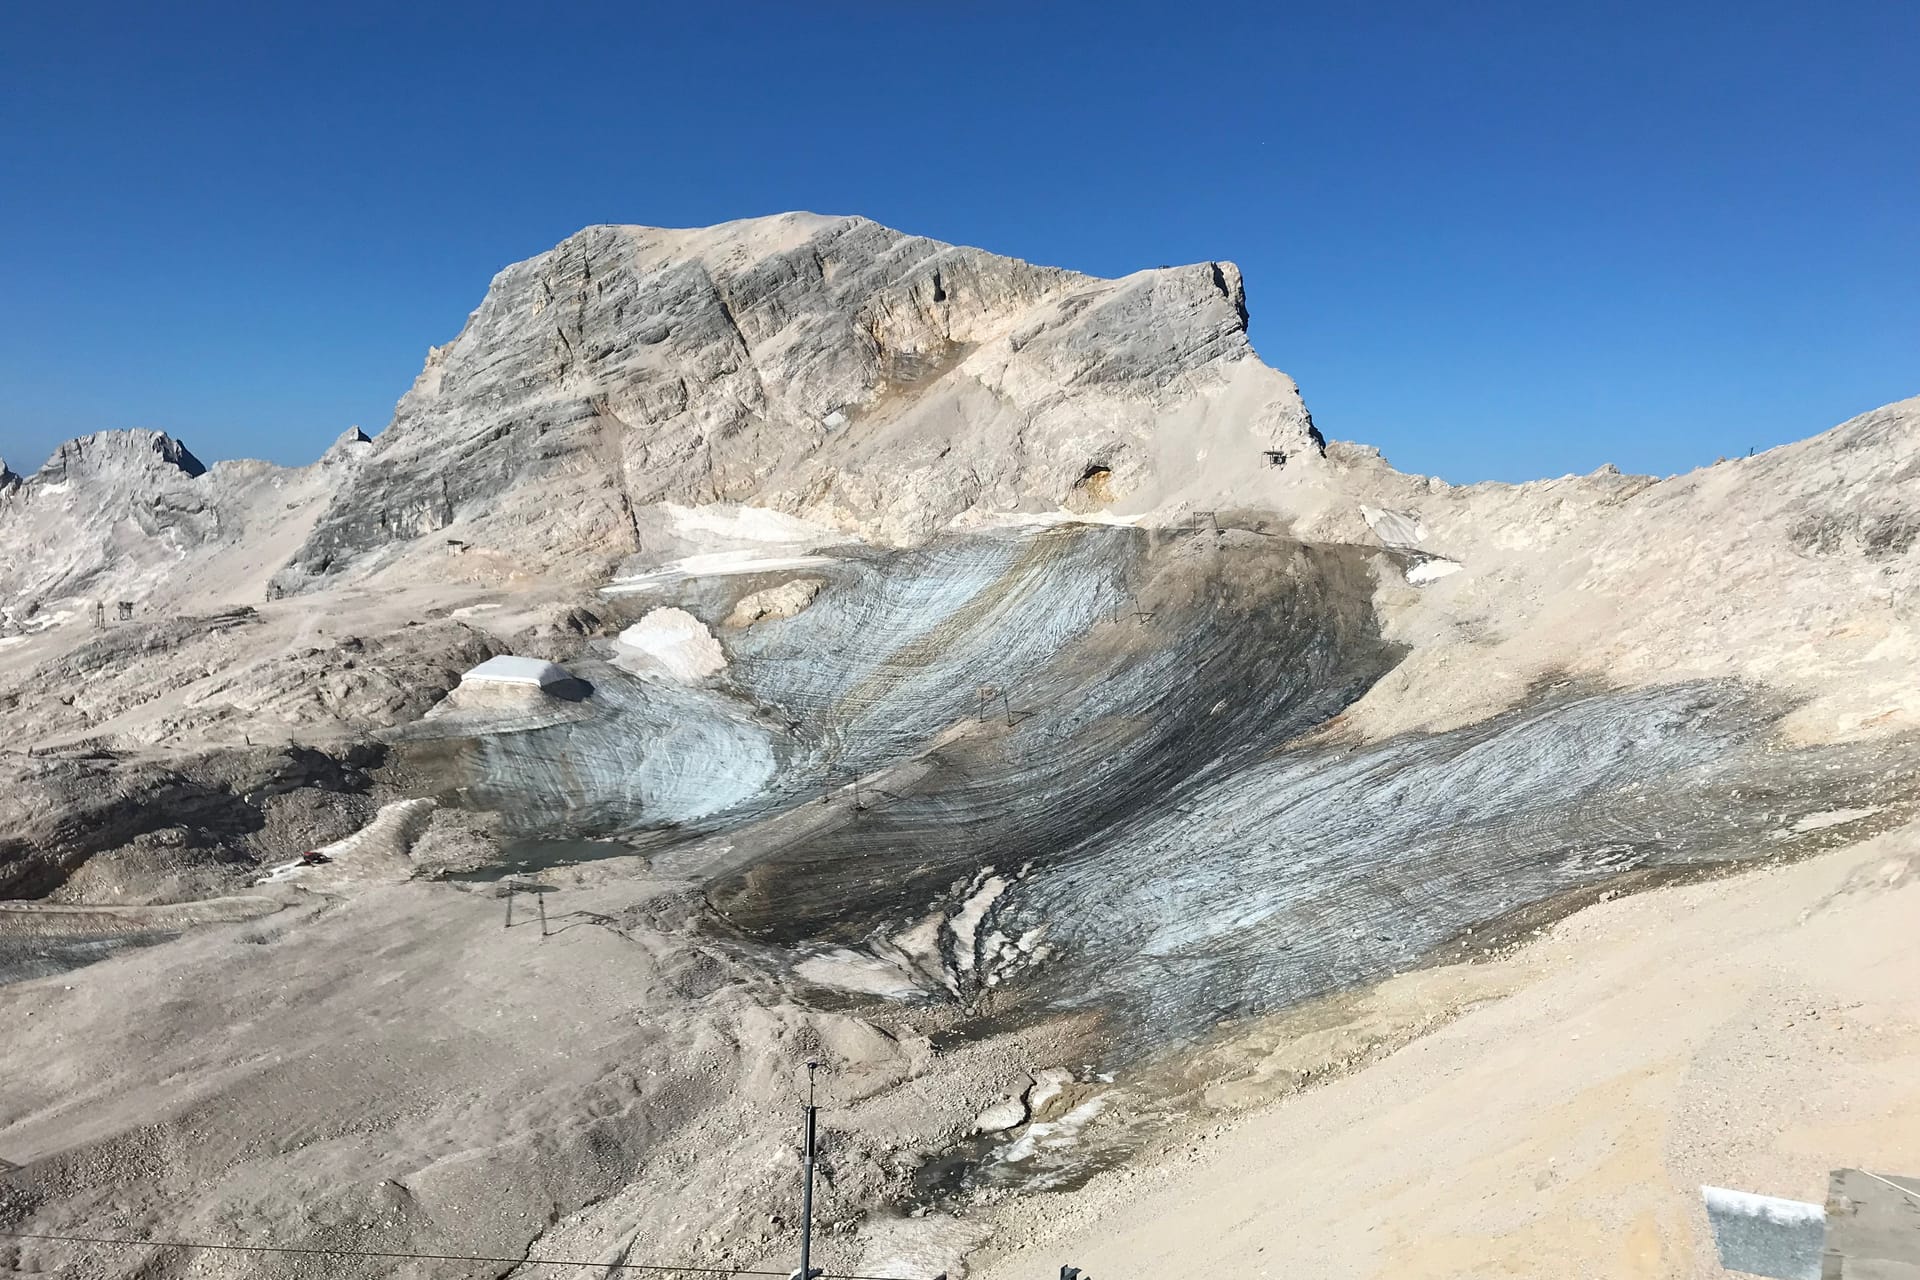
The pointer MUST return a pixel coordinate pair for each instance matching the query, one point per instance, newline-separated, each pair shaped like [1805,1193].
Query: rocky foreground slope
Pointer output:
[978,675]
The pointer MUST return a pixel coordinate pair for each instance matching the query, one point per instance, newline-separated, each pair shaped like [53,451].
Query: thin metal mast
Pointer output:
[806,1189]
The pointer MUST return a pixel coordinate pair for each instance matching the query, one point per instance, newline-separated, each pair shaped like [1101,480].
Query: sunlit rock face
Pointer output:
[829,366]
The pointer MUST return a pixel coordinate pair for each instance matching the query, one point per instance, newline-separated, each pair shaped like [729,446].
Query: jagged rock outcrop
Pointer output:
[351,445]
[828,366]
[134,516]
[102,505]
[775,603]
[104,452]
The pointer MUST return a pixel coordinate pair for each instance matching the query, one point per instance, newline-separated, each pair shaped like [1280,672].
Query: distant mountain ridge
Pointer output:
[105,450]
[121,514]
[892,387]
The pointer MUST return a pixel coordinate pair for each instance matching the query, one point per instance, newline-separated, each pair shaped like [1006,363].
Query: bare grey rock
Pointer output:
[100,501]
[91,457]
[1008,1113]
[352,444]
[196,677]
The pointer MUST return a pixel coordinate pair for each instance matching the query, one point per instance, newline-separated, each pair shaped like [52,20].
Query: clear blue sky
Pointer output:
[1497,240]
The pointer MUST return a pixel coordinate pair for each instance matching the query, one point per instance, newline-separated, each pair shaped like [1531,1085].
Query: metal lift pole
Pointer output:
[806,1188]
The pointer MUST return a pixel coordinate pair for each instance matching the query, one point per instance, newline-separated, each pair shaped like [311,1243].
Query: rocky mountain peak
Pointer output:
[827,366]
[351,443]
[130,452]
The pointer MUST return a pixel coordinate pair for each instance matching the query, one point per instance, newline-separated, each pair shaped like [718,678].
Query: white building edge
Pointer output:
[506,669]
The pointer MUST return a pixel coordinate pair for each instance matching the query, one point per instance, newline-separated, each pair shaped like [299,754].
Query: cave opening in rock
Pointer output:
[1093,489]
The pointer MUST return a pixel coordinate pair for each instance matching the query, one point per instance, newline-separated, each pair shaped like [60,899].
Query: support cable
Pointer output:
[413,1257]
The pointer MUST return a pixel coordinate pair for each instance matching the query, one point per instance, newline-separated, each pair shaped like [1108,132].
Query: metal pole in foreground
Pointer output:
[541,898]
[806,1187]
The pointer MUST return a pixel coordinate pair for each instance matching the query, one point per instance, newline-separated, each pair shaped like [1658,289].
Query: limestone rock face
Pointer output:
[353,443]
[134,516]
[104,504]
[826,366]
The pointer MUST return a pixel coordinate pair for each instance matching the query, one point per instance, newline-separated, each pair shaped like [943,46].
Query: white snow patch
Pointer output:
[1431,570]
[1042,519]
[674,641]
[747,524]
[851,971]
[508,669]
[46,620]
[1746,1204]
[281,873]
[1395,528]
[1832,818]
[1052,1135]
[714,564]
[917,950]
[384,845]
[966,922]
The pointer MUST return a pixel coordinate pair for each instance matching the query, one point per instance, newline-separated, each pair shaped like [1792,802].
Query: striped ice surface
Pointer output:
[1168,844]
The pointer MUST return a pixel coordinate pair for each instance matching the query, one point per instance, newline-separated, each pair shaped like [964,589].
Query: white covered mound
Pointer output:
[506,669]
[509,684]
[671,642]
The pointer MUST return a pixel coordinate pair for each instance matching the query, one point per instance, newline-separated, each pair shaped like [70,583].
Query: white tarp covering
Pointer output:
[508,669]
[673,641]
